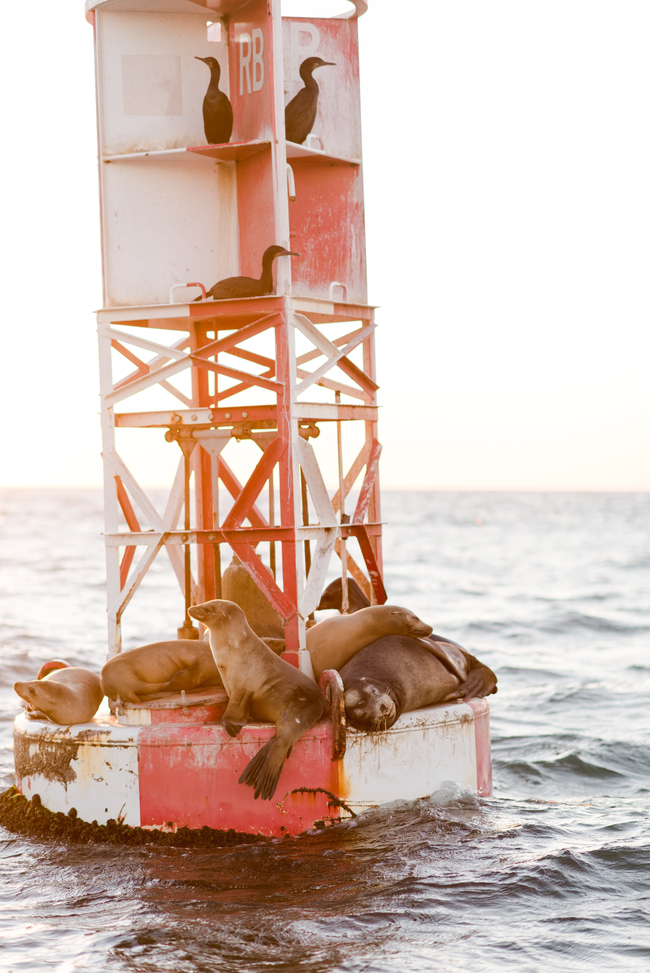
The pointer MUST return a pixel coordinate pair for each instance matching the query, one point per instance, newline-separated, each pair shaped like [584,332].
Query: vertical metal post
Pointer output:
[214,462]
[111,521]
[187,630]
[272,523]
[345,604]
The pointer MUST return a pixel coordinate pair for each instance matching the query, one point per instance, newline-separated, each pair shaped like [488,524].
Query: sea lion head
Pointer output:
[49,698]
[332,597]
[398,621]
[370,705]
[217,613]
[29,691]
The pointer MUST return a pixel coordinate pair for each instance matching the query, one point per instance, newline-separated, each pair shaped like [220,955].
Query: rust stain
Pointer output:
[50,757]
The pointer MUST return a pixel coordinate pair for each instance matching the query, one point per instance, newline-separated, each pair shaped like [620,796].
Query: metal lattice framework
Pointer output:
[212,335]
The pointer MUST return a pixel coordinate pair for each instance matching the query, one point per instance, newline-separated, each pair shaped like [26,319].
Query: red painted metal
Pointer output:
[483,754]
[361,532]
[206,764]
[259,477]
[196,283]
[234,488]
[132,523]
[365,493]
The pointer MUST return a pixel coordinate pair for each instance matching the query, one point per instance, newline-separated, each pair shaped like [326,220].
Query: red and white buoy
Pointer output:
[281,373]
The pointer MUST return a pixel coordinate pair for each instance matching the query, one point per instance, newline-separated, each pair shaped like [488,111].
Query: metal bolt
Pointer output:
[176,417]
[244,415]
[193,418]
[227,415]
[210,537]
[184,537]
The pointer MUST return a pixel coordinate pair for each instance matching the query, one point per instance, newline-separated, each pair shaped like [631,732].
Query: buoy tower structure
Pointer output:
[243,398]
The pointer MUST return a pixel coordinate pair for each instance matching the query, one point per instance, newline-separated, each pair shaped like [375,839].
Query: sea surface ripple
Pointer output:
[551,873]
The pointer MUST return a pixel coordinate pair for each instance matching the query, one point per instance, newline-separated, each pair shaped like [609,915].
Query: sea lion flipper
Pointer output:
[481,681]
[232,727]
[184,679]
[444,656]
[237,712]
[260,772]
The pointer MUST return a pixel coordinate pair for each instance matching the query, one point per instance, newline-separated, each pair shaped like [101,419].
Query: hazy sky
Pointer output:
[507,178]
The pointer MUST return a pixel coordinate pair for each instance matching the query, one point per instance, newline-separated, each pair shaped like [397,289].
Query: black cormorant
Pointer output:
[300,113]
[217,110]
[250,286]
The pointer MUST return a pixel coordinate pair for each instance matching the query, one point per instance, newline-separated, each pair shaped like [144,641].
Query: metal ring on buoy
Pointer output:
[331,685]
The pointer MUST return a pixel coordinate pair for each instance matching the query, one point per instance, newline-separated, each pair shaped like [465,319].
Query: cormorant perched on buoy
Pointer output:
[250,286]
[217,110]
[300,113]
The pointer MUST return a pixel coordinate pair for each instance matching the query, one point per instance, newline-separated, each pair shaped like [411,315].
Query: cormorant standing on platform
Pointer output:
[300,113]
[217,110]
[250,286]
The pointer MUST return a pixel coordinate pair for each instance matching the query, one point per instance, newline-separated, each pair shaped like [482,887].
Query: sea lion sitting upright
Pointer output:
[394,675]
[159,667]
[335,640]
[237,585]
[260,687]
[65,696]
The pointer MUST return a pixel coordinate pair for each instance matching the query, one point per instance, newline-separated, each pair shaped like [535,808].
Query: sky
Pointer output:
[506,162]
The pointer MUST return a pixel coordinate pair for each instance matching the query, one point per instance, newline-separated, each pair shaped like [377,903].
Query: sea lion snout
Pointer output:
[25,690]
[216,611]
[418,629]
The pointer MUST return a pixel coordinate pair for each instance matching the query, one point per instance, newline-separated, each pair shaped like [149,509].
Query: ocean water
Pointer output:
[552,873]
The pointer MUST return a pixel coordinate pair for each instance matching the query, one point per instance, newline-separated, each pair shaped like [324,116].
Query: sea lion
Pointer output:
[332,597]
[261,687]
[159,667]
[64,696]
[335,640]
[237,585]
[394,675]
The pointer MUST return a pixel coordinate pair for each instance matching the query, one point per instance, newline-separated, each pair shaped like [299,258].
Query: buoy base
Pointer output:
[154,772]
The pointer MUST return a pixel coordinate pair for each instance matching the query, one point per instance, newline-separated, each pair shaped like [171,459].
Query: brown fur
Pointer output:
[394,675]
[238,586]
[261,688]
[335,640]
[159,667]
[65,696]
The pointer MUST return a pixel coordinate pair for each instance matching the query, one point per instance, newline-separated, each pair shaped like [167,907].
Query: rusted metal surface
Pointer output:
[92,767]
[331,685]
[169,764]
[52,758]
[415,757]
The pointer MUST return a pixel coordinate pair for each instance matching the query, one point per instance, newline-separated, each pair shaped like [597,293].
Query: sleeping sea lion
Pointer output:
[335,640]
[159,667]
[261,688]
[64,696]
[394,675]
